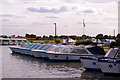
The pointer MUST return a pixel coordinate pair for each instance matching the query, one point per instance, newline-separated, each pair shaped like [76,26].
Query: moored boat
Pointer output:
[68,53]
[111,64]
[15,49]
[38,52]
[90,62]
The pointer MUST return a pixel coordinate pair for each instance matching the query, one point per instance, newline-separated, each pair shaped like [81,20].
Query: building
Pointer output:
[118,36]
[119,17]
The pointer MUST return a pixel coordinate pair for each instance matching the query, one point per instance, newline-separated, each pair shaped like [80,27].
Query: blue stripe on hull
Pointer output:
[45,57]
[92,68]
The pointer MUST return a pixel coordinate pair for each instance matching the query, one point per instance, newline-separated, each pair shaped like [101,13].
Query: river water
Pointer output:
[23,66]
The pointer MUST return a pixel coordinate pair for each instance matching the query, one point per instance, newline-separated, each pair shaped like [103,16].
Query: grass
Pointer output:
[38,41]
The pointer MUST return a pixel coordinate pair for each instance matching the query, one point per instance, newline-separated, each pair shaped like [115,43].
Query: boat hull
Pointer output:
[90,63]
[65,57]
[14,49]
[36,54]
[110,68]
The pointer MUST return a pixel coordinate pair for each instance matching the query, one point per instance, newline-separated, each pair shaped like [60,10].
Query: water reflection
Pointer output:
[24,66]
[55,69]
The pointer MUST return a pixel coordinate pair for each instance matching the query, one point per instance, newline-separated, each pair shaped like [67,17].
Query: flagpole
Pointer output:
[55,31]
[83,30]
[83,27]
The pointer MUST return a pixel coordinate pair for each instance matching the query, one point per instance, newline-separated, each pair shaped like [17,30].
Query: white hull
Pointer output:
[63,57]
[22,50]
[27,51]
[90,64]
[36,53]
[107,67]
[14,49]
[44,55]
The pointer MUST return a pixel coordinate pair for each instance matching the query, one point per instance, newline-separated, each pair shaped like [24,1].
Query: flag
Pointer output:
[66,26]
[84,23]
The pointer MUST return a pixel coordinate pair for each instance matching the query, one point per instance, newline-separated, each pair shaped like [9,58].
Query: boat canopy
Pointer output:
[96,50]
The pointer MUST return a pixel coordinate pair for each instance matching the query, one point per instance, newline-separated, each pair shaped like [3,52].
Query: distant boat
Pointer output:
[12,41]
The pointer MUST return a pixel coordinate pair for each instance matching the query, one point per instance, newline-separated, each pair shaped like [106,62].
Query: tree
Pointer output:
[99,36]
[106,36]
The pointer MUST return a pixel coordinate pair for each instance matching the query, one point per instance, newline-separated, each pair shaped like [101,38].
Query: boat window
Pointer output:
[66,50]
[58,49]
[39,47]
[25,46]
[45,47]
[112,53]
[50,49]
[118,55]
[5,40]
[24,41]
[19,41]
[30,46]
[13,40]
[34,46]
[81,51]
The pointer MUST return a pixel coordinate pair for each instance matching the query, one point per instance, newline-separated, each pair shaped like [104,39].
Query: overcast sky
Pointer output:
[37,17]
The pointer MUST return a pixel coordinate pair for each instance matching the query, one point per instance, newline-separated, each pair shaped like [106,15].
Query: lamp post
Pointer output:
[55,31]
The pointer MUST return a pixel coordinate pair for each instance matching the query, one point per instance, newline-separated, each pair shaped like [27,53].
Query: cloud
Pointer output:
[51,17]
[40,23]
[108,18]
[46,10]
[74,8]
[5,15]
[87,11]
[10,15]
[4,20]
[94,1]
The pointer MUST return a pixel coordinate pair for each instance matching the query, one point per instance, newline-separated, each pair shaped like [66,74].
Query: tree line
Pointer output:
[50,37]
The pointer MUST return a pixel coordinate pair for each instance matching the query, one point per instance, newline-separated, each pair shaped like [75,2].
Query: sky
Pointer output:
[18,17]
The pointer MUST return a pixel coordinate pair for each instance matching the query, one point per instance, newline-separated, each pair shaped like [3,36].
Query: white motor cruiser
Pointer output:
[27,51]
[68,53]
[91,62]
[111,65]
[43,53]
[40,50]
[15,49]
[22,50]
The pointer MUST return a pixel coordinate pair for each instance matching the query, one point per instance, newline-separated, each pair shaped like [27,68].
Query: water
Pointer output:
[23,66]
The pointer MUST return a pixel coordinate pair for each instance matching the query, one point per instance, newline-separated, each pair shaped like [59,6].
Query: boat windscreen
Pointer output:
[30,46]
[112,53]
[50,49]
[118,55]
[34,46]
[25,46]
[45,47]
[80,51]
[39,46]
[58,49]
[66,50]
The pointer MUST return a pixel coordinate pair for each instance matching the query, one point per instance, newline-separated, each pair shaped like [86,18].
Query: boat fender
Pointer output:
[56,56]
[67,58]
[94,63]
[110,66]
